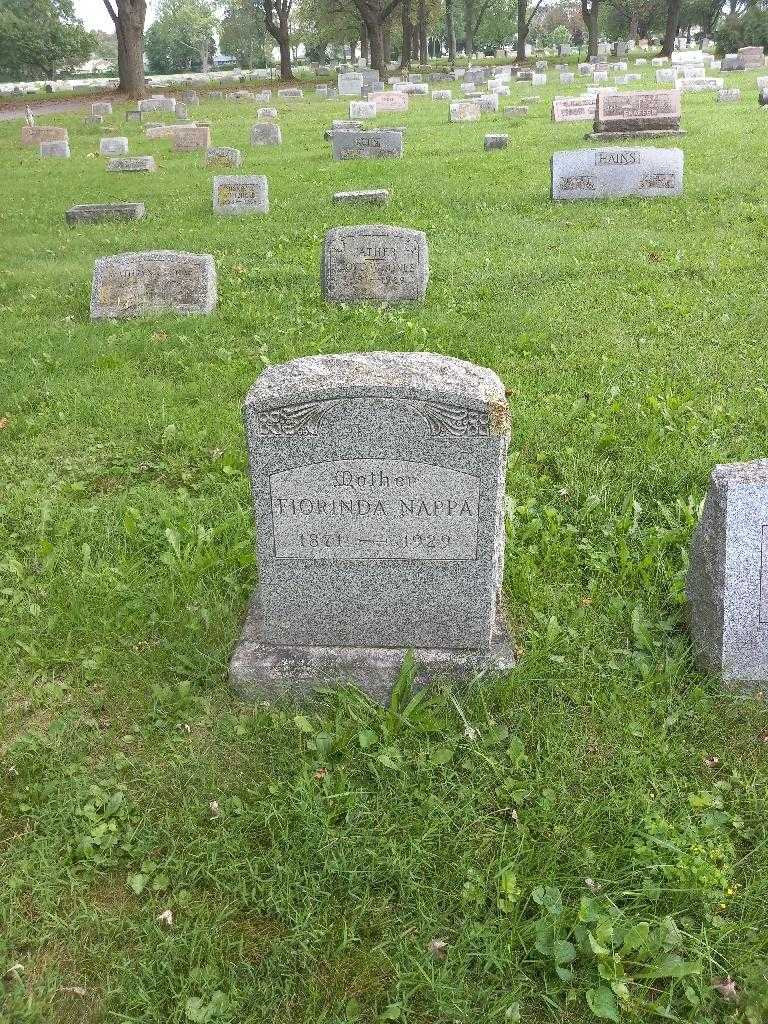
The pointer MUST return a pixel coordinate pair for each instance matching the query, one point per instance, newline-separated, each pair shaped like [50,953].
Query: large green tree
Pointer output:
[39,38]
[128,17]
[181,37]
[242,33]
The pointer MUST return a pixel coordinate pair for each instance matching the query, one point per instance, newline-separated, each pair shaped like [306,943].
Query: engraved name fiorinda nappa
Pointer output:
[378,496]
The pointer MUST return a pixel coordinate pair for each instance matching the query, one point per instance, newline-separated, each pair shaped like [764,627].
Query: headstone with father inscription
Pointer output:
[374,263]
[616,173]
[144,283]
[378,497]
[727,583]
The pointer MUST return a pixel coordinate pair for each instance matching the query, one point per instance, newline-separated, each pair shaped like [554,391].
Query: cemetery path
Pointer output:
[17,111]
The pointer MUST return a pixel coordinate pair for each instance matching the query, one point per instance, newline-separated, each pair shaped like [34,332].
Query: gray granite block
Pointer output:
[464,110]
[144,283]
[266,135]
[374,263]
[378,497]
[727,583]
[117,146]
[96,213]
[729,95]
[101,109]
[93,120]
[132,164]
[380,144]
[495,142]
[378,196]
[223,156]
[54,149]
[133,115]
[617,172]
[235,194]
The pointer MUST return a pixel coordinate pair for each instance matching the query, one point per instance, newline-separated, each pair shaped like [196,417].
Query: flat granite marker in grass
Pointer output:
[97,213]
[101,109]
[617,172]
[132,164]
[377,196]
[495,142]
[464,110]
[374,263]
[143,283]
[573,108]
[396,102]
[378,495]
[727,583]
[379,144]
[235,194]
[362,109]
[191,139]
[637,115]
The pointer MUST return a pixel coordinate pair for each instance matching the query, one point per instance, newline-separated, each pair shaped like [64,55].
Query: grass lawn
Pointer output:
[585,839]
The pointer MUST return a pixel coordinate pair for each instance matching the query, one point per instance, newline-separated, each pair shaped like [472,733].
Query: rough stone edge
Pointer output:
[648,134]
[258,670]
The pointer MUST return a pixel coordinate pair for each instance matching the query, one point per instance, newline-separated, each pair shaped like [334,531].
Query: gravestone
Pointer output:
[165,131]
[33,135]
[464,110]
[223,156]
[290,94]
[567,78]
[97,213]
[701,84]
[192,138]
[444,95]
[264,96]
[131,164]
[117,146]
[350,85]
[388,101]
[133,115]
[515,111]
[637,114]
[727,583]
[54,149]
[267,113]
[158,105]
[362,109]
[376,196]
[495,142]
[381,144]
[374,263]
[488,103]
[238,194]
[93,120]
[752,56]
[181,112]
[616,173]
[102,109]
[575,108]
[266,135]
[729,95]
[141,283]
[378,497]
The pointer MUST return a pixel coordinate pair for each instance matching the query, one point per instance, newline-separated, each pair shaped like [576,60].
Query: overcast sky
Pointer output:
[94,14]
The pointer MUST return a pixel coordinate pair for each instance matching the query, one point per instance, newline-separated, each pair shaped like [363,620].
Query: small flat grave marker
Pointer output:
[98,213]
[234,195]
[143,283]
[374,263]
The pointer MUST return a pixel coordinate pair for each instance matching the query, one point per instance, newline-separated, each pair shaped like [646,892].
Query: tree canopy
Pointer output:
[39,38]
[181,37]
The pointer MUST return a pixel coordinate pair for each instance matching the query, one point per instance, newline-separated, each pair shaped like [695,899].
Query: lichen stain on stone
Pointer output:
[498,418]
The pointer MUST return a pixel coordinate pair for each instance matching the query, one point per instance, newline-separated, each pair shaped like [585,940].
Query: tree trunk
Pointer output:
[589,10]
[204,57]
[376,43]
[284,42]
[386,43]
[352,50]
[423,53]
[469,34]
[670,33]
[405,58]
[128,18]
[522,29]
[364,48]
[450,31]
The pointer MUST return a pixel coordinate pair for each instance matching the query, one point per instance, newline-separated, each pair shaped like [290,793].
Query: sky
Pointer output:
[94,14]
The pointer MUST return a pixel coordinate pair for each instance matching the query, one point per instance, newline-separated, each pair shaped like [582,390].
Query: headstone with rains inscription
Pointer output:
[727,583]
[616,173]
[378,497]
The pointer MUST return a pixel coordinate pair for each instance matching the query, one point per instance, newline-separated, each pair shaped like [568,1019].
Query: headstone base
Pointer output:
[258,670]
[647,134]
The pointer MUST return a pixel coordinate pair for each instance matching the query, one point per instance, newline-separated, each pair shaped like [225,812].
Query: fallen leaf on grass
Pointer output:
[214,808]
[726,987]
[438,949]
[166,918]
[73,990]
